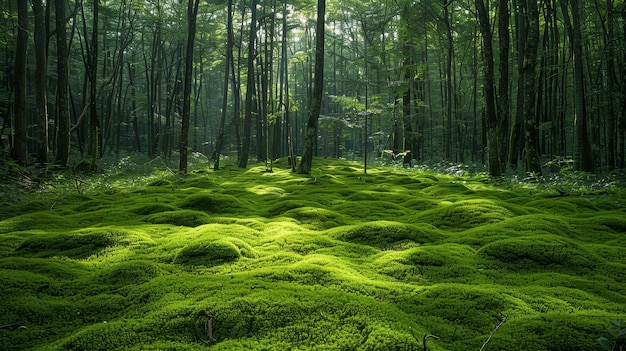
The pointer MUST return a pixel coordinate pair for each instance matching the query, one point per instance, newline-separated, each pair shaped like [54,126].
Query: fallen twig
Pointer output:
[493,332]
[12,325]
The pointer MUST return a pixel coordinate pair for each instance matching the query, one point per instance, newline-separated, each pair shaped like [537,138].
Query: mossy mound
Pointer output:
[187,218]
[212,203]
[208,253]
[316,218]
[464,215]
[148,209]
[539,251]
[385,234]
[372,210]
[130,272]
[73,245]
[550,331]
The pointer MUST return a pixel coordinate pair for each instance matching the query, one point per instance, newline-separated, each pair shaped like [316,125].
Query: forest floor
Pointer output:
[339,260]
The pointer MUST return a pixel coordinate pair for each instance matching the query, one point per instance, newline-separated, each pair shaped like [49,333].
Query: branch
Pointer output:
[493,332]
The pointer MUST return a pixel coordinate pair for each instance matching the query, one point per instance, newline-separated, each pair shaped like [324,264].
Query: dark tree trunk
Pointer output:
[503,103]
[583,156]
[20,142]
[63,110]
[531,151]
[41,72]
[229,58]
[250,90]
[493,147]
[192,13]
[316,101]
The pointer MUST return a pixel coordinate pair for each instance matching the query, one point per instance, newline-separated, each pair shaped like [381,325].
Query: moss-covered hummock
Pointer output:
[340,260]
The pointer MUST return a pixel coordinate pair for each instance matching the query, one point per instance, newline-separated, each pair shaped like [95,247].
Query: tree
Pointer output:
[20,143]
[316,100]
[493,145]
[250,89]
[41,72]
[229,59]
[583,156]
[63,87]
[192,14]
[531,150]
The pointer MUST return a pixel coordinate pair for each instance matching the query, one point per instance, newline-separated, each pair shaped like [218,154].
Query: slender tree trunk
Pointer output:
[93,69]
[610,89]
[504,101]
[20,143]
[531,151]
[516,141]
[621,124]
[192,13]
[493,146]
[448,89]
[41,72]
[583,156]
[286,105]
[229,59]
[316,101]
[63,110]
[250,90]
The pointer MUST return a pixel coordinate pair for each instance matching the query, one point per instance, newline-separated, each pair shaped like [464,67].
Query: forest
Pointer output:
[359,175]
[506,85]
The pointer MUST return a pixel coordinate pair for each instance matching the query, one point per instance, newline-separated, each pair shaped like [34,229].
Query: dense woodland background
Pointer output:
[508,84]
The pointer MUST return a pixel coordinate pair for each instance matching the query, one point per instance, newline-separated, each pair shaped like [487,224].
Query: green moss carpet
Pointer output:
[253,260]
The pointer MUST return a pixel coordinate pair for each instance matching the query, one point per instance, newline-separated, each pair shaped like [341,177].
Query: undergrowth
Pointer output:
[138,257]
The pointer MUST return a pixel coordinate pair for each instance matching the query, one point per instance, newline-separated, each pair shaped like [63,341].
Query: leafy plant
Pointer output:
[618,337]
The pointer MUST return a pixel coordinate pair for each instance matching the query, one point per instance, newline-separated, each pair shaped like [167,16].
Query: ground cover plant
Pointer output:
[339,260]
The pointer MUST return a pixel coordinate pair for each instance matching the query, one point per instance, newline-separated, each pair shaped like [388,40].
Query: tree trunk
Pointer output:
[93,69]
[63,110]
[493,147]
[583,156]
[250,90]
[229,59]
[531,151]
[192,13]
[20,143]
[286,106]
[316,101]
[610,89]
[503,103]
[41,72]
[516,141]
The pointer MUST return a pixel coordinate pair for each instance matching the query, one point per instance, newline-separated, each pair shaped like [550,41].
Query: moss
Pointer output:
[385,234]
[129,272]
[208,253]
[212,203]
[74,245]
[148,209]
[187,218]
[550,331]
[464,215]
[539,252]
[316,218]
[346,262]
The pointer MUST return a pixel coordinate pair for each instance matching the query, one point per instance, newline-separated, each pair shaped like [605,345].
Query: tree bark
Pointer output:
[41,72]
[493,147]
[316,101]
[20,143]
[531,150]
[63,110]
[250,90]
[229,58]
[192,13]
